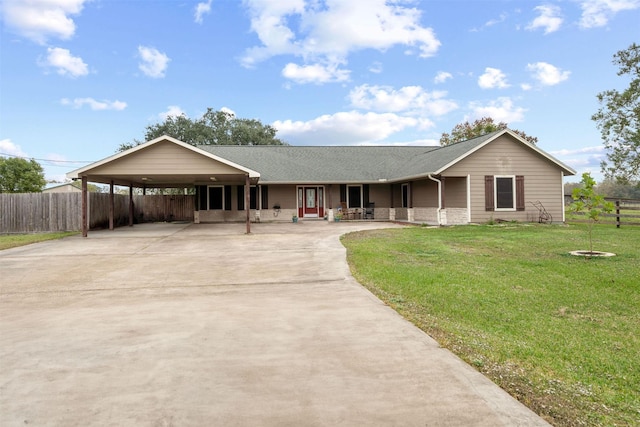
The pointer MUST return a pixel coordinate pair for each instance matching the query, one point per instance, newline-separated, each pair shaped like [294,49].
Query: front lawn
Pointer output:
[558,332]
[13,240]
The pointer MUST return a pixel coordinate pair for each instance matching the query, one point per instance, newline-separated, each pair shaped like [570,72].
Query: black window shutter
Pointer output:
[202,197]
[365,195]
[265,196]
[343,192]
[240,193]
[519,192]
[227,197]
[488,193]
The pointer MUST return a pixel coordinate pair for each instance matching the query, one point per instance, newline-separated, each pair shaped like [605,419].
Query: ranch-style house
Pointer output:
[497,176]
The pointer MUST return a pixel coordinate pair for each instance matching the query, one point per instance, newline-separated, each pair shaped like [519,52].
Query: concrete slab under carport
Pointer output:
[179,324]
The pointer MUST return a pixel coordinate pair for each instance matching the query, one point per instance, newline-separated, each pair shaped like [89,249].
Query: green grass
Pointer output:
[558,332]
[14,240]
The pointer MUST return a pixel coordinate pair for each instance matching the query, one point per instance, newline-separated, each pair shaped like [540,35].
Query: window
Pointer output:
[216,197]
[354,196]
[253,197]
[504,193]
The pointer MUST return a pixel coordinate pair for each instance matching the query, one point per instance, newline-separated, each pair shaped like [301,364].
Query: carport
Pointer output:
[163,162]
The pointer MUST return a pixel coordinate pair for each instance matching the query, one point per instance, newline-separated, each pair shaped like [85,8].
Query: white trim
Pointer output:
[562,195]
[469,199]
[76,173]
[495,193]
[439,210]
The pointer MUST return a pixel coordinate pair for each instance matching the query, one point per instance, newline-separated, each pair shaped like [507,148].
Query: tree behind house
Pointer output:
[21,176]
[213,128]
[464,131]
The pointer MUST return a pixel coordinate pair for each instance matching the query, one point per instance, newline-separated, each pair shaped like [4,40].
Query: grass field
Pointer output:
[13,240]
[558,332]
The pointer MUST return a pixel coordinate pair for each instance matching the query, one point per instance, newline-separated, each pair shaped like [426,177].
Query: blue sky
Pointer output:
[80,77]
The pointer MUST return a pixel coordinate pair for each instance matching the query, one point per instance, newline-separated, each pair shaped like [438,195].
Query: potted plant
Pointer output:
[338,216]
[294,218]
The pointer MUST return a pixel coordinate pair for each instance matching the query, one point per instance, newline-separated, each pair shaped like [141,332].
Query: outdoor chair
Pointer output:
[346,212]
[369,211]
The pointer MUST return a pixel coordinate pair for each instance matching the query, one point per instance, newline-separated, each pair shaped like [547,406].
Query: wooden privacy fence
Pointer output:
[156,208]
[625,212]
[51,212]
[40,212]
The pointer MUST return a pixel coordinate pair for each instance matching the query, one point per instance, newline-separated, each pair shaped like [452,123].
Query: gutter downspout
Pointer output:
[439,196]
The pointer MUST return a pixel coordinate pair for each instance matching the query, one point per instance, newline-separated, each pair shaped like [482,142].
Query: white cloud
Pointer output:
[154,63]
[597,13]
[526,86]
[65,63]
[490,23]
[550,19]
[376,67]
[38,20]
[598,149]
[10,148]
[228,111]
[547,74]
[500,110]
[202,9]
[315,73]
[327,32]
[173,111]
[493,78]
[442,77]
[346,128]
[93,104]
[408,99]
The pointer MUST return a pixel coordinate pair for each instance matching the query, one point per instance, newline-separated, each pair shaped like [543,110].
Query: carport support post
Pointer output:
[130,205]
[111,205]
[85,228]
[247,206]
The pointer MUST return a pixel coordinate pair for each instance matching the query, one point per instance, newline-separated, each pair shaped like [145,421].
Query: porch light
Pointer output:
[146,179]
[213,178]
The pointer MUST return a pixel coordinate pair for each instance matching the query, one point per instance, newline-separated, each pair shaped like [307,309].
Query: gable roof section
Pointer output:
[125,162]
[470,146]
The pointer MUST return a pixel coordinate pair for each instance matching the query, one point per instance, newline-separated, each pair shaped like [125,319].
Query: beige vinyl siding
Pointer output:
[455,192]
[507,156]
[167,158]
[425,194]
[380,195]
[283,195]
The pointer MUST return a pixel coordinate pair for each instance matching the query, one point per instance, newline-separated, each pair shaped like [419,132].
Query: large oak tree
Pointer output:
[213,128]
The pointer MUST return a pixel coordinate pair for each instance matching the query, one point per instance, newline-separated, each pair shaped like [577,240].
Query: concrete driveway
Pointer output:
[200,325]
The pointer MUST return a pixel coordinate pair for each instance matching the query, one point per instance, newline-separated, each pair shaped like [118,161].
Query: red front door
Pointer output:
[310,202]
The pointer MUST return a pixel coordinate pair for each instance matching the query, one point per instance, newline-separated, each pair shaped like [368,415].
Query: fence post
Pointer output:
[85,207]
[617,213]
